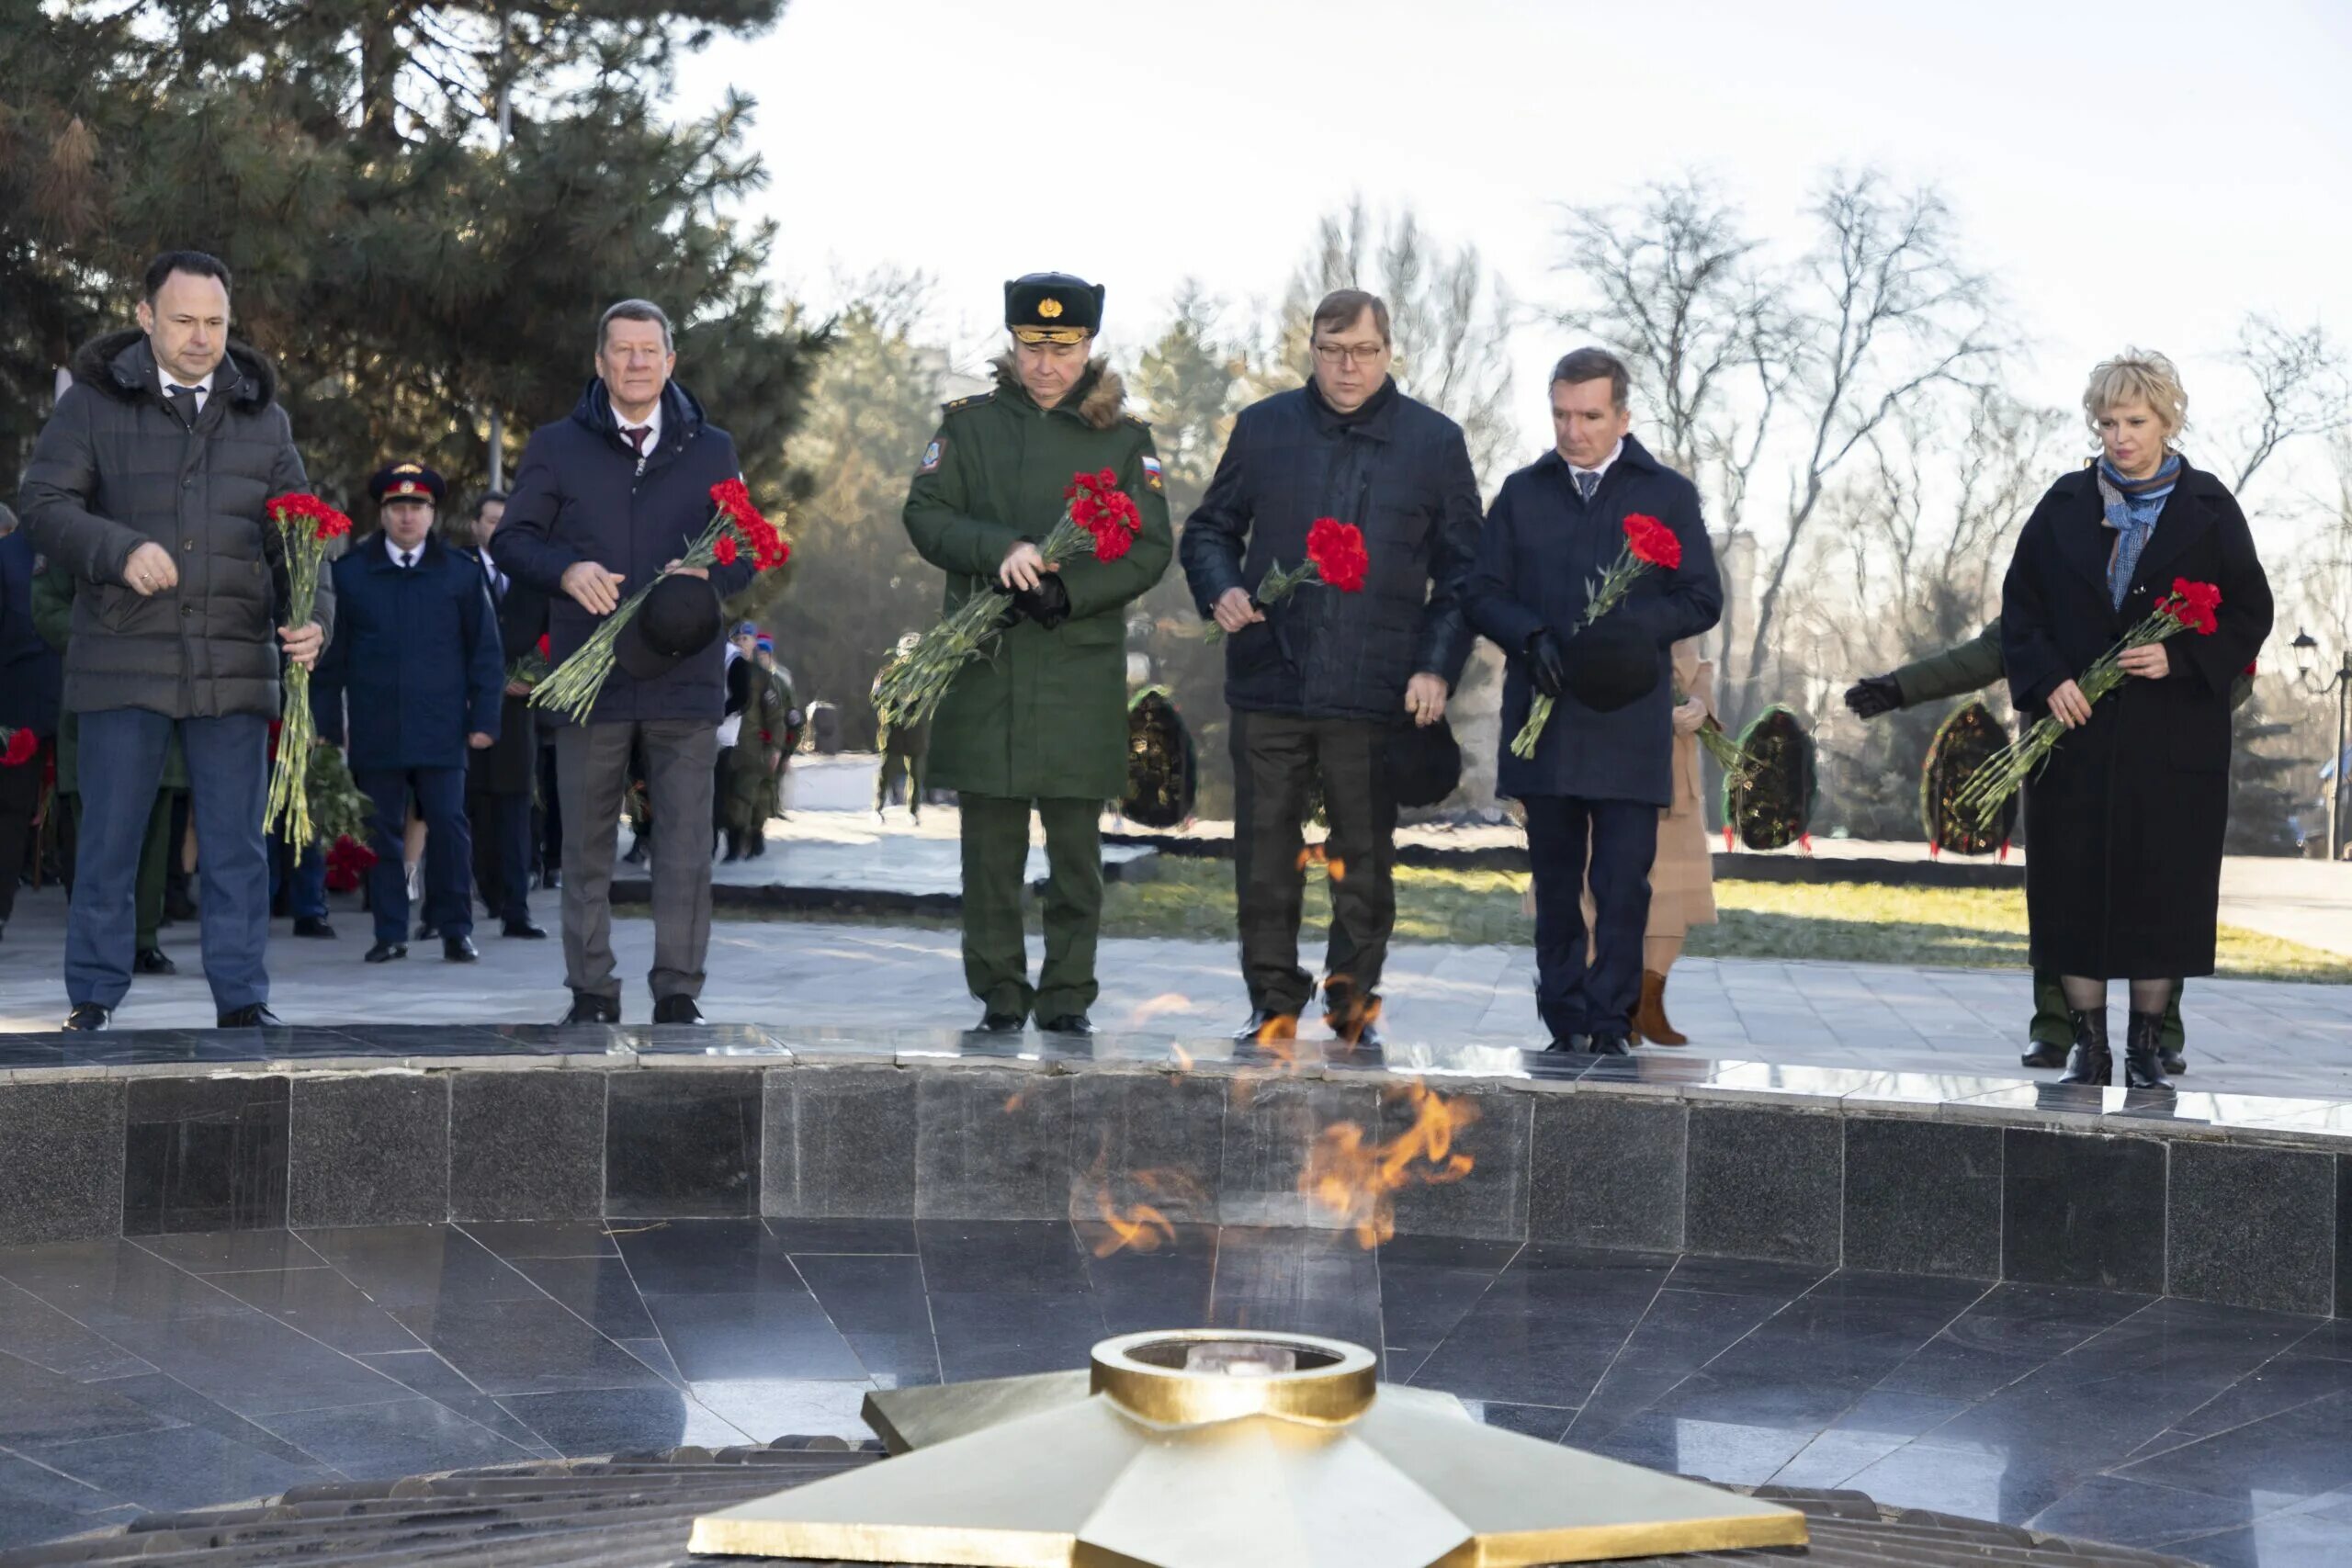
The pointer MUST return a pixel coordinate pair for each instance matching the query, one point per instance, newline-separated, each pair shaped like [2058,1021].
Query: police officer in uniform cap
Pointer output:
[416,648]
[1042,723]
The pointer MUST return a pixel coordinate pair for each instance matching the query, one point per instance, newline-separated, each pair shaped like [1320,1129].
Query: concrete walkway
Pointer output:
[2244,1036]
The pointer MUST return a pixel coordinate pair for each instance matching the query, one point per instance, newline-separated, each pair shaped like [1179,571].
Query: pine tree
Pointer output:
[408,272]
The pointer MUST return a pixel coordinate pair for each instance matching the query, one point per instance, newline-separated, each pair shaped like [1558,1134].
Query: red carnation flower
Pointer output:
[2193,605]
[326,521]
[1337,550]
[22,744]
[722,549]
[1651,541]
[545,651]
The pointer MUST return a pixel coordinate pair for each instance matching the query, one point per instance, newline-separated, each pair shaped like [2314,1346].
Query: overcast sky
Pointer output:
[2131,172]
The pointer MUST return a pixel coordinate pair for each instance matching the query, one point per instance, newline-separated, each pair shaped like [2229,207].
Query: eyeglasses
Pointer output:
[1351,352]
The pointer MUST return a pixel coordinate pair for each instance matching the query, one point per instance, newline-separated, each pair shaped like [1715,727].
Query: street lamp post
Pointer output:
[2306,663]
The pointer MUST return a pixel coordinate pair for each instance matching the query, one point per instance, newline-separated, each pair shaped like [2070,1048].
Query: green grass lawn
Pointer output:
[1979,927]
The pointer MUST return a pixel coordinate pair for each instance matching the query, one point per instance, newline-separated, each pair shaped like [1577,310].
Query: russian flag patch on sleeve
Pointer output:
[1151,470]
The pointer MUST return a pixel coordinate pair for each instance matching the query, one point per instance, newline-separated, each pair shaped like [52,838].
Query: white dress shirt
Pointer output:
[403,559]
[1597,474]
[652,422]
[202,389]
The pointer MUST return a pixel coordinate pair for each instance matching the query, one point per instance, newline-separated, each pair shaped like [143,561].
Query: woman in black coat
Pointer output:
[2124,864]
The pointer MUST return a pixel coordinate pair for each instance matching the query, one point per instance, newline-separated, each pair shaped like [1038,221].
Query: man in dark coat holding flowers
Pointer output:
[1041,721]
[1602,767]
[1319,681]
[603,501]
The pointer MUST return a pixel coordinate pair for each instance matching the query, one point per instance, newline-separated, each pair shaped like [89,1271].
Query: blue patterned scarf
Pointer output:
[2132,508]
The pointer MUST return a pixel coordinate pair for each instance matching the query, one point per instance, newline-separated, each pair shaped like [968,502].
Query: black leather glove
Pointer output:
[1873,696]
[1047,603]
[1547,664]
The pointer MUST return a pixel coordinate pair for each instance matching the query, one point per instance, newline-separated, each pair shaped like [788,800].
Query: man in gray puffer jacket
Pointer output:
[149,483]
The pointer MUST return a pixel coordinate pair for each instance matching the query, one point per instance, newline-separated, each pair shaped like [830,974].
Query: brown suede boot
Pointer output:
[1649,1015]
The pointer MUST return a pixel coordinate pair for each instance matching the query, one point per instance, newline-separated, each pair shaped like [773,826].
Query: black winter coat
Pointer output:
[114,469]
[579,495]
[1401,472]
[1542,548]
[417,651]
[511,767]
[2123,867]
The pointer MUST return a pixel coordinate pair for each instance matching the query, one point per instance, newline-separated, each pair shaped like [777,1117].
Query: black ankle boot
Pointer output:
[2090,1061]
[2143,1068]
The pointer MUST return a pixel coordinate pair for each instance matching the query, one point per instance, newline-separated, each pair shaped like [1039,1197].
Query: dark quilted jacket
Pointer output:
[114,468]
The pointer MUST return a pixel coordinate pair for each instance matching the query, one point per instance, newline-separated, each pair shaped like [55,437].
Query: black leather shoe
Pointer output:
[2044,1053]
[256,1016]
[523,928]
[2090,1061]
[152,961]
[459,948]
[587,1008]
[313,926]
[1571,1044]
[2175,1062]
[88,1016]
[1608,1045]
[1265,1024]
[384,953]
[426,930]
[2140,1068]
[1362,1034]
[552,881]
[1068,1023]
[998,1023]
[677,1009]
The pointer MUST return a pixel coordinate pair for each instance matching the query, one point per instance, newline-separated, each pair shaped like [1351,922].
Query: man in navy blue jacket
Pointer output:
[603,501]
[1604,766]
[1319,681]
[417,651]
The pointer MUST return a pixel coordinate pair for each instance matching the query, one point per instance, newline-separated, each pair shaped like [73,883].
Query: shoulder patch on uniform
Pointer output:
[932,454]
[1151,470]
[960,404]
[1137,421]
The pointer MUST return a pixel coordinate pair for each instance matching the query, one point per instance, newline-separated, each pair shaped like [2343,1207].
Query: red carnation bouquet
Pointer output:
[2190,606]
[1335,559]
[1648,543]
[305,523]
[734,527]
[18,746]
[1097,517]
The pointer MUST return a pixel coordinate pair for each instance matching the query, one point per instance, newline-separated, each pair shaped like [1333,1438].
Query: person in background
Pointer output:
[1317,682]
[1602,771]
[149,482]
[605,501]
[2122,880]
[30,679]
[1041,723]
[416,648]
[498,778]
[750,784]
[742,679]
[1682,877]
[786,736]
[901,747]
[1957,671]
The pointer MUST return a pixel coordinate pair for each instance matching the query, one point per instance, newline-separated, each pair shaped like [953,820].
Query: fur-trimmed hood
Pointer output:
[1102,395]
[121,365]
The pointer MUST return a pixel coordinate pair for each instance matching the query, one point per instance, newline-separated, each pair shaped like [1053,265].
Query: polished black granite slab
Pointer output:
[178,1369]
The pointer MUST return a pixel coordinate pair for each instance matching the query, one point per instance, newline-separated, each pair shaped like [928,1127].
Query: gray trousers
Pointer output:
[592,777]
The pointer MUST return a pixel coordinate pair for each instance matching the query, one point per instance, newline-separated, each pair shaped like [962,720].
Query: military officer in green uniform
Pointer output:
[1041,721]
[1956,671]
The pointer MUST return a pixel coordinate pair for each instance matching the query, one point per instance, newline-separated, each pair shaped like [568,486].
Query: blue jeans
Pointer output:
[448,849]
[1574,994]
[121,764]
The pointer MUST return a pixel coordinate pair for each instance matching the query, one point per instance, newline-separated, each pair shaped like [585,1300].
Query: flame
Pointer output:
[1358,1178]
[1183,1057]
[1167,1001]
[1336,869]
[1280,1036]
[1012,1101]
[1144,1224]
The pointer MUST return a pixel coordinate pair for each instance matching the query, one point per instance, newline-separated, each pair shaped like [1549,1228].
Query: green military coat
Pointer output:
[1044,714]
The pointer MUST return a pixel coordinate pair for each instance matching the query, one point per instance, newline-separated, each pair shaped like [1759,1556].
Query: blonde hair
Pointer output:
[2137,376]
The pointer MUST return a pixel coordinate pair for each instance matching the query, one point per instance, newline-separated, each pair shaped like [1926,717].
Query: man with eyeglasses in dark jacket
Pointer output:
[1319,681]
